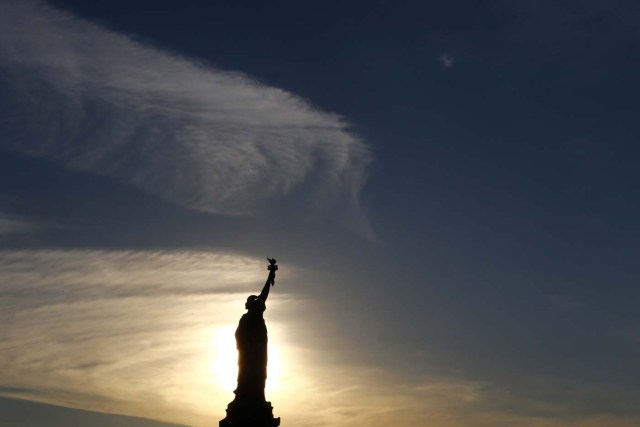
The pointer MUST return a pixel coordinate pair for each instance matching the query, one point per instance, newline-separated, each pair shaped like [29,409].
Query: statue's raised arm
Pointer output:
[271,280]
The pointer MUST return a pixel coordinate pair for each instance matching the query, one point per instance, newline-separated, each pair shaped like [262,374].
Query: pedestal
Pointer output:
[250,414]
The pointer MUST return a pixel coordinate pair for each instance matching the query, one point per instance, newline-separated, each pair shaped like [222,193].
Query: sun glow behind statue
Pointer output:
[224,365]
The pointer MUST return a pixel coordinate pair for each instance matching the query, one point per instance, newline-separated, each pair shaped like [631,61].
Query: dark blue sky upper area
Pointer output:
[534,119]
[504,186]
[526,145]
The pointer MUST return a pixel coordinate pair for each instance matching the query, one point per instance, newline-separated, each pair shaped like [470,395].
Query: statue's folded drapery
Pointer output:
[251,340]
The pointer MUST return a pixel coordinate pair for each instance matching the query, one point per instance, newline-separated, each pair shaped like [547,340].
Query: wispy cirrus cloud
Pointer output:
[30,276]
[218,141]
[10,225]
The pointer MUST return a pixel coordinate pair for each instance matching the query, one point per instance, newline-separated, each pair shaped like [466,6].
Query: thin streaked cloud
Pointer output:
[10,225]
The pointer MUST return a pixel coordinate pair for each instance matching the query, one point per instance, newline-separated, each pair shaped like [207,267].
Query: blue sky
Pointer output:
[451,190]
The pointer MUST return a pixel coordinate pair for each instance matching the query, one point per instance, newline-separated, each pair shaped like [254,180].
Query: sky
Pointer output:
[450,189]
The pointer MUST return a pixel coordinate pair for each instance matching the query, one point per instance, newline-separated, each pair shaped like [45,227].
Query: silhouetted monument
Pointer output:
[250,408]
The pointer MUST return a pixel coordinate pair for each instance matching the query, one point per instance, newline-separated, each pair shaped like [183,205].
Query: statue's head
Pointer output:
[251,302]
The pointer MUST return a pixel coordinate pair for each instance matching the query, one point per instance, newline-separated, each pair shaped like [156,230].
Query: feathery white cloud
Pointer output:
[98,101]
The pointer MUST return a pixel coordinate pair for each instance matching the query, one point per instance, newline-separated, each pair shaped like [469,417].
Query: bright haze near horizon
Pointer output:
[451,190]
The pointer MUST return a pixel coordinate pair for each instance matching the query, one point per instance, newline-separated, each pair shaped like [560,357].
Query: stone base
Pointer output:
[250,414]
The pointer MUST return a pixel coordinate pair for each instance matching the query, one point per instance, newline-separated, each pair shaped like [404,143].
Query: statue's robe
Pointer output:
[251,340]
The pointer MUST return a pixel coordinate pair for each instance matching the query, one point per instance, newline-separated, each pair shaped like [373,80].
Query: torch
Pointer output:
[272,267]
